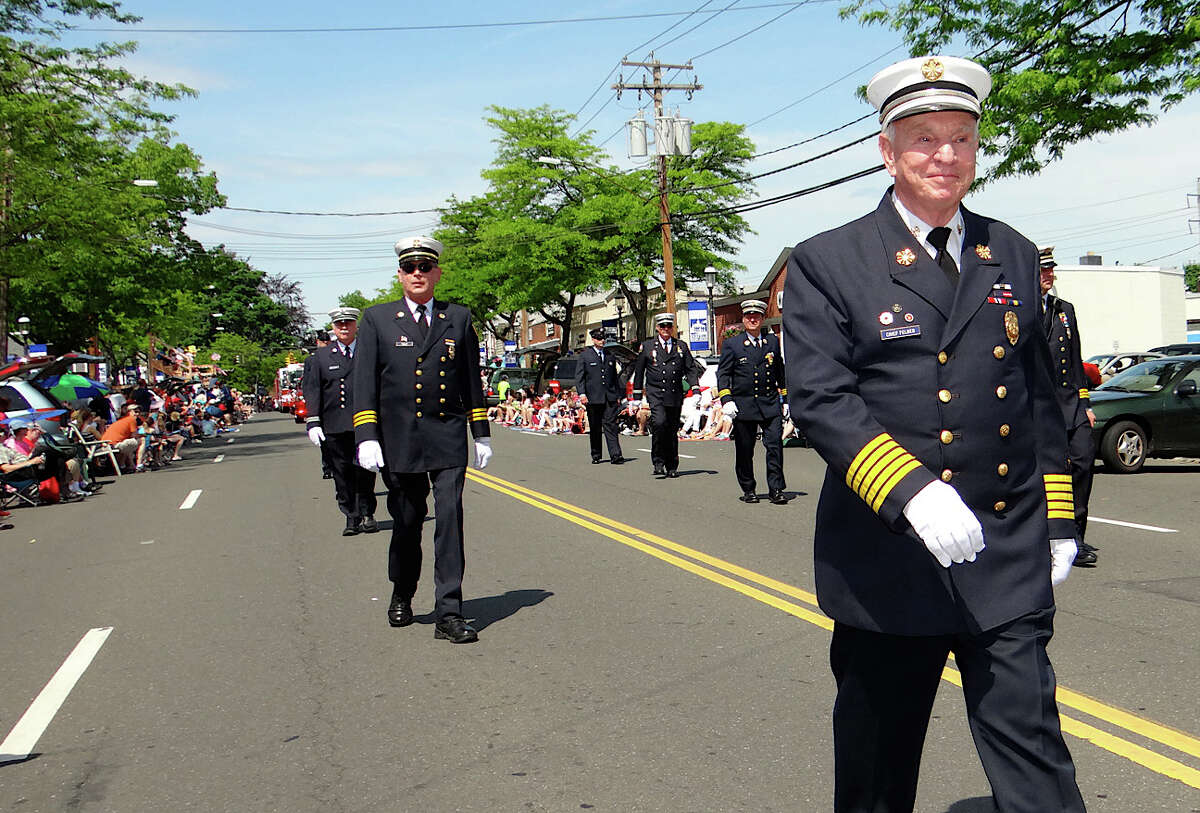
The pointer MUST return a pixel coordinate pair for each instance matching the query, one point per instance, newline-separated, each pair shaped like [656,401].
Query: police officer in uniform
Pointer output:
[917,368]
[750,380]
[328,387]
[662,365]
[416,391]
[1062,333]
[601,392]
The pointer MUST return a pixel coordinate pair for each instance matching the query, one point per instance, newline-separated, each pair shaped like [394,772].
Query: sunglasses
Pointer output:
[425,266]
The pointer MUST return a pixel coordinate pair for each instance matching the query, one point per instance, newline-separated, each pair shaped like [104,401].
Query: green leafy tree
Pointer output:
[1063,71]
[555,223]
[1191,277]
[68,120]
[246,363]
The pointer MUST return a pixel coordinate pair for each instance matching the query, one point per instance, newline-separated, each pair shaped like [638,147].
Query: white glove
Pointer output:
[729,408]
[316,436]
[945,524]
[483,452]
[787,410]
[370,455]
[1062,556]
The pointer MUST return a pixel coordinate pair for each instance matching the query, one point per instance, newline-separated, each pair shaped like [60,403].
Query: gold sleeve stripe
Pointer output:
[1060,500]
[896,477]
[1083,393]
[479,415]
[366,416]
[877,469]
[723,393]
[783,391]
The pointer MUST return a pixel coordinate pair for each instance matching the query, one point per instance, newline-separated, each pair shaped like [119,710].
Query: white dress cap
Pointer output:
[754,306]
[342,314]
[664,319]
[926,84]
[417,247]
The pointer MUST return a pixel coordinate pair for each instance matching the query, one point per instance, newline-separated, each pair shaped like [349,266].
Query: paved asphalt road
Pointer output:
[645,645]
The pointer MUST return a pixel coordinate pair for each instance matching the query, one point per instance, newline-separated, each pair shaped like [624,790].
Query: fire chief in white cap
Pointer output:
[917,367]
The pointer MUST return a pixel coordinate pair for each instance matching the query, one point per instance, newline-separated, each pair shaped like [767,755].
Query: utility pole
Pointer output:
[658,88]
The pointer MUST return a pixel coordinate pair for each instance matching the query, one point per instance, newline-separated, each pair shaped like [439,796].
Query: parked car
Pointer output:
[21,383]
[518,378]
[1185,349]
[1150,410]
[1110,364]
[565,369]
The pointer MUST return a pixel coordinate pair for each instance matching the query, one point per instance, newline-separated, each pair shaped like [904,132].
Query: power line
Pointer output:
[442,27]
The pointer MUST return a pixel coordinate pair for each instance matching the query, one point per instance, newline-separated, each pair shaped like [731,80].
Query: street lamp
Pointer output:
[619,303]
[710,279]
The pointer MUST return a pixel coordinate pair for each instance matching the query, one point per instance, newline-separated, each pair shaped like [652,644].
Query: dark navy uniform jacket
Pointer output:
[897,378]
[417,397]
[662,373]
[328,386]
[597,379]
[1071,384]
[752,377]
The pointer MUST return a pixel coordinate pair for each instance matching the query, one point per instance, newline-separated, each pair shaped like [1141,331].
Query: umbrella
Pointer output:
[31,415]
[73,387]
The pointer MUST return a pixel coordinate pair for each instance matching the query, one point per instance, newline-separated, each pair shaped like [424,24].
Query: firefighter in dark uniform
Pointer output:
[917,368]
[417,390]
[749,383]
[328,387]
[1062,333]
[601,391]
[662,365]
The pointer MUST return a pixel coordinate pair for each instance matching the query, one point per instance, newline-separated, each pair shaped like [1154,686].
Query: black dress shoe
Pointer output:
[1085,558]
[672,473]
[616,461]
[369,525]
[399,612]
[777,498]
[660,470]
[749,496]
[351,528]
[595,459]
[455,629]
[1087,547]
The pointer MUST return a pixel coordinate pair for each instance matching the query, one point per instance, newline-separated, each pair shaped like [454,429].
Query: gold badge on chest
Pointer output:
[1012,328]
[906,257]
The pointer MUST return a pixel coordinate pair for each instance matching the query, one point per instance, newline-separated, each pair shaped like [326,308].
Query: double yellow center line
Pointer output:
[724,573]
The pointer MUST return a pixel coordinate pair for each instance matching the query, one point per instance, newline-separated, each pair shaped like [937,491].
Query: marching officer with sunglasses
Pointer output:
[328,386]
[417,391]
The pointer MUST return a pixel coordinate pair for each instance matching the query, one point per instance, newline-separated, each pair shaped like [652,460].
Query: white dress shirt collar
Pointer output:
[920,231]
[412,309]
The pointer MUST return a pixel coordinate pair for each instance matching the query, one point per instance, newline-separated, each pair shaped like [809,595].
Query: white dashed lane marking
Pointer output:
[19,743]
[218,458]
[1154,528]
[190,500]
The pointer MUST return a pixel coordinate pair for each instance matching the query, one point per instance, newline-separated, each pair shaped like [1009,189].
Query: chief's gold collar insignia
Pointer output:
[906,257]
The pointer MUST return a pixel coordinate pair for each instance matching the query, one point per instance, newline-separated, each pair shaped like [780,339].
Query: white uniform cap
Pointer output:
[413,248]
[342,314]
[1046,257]
[754,306]
[927,84]
[664,319]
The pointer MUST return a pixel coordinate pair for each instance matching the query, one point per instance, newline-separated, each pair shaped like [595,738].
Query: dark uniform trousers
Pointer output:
[886,686]
[406,502]
[598,380]
[751,375]
[662,374]
[905,380]
[328,393]
[1071,387]
[417,392]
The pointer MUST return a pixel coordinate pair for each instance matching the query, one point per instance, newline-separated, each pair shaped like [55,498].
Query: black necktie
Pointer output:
[600,353]
[937,238]
[421,321]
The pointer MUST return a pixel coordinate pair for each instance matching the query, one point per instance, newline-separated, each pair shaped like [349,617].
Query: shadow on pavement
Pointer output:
[483,612]
[977,804]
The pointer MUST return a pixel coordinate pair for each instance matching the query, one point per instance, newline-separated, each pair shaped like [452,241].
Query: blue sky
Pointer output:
[382,121]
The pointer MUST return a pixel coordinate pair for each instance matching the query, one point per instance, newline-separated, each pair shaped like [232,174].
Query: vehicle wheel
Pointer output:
[1123,448]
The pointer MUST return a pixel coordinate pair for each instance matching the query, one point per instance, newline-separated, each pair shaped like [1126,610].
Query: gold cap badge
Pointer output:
[932,70]
[906,257]
[984,252]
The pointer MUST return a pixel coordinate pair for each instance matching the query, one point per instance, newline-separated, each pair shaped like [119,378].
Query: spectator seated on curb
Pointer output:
[23,437]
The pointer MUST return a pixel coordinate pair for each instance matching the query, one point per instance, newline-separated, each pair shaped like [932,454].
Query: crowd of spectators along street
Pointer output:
[562,413]
[145,426]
